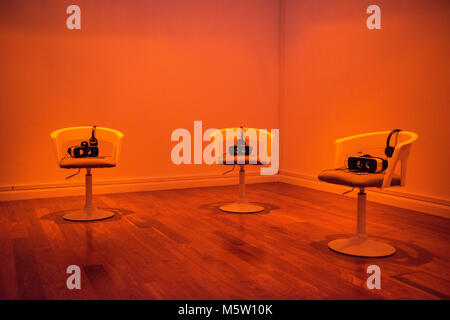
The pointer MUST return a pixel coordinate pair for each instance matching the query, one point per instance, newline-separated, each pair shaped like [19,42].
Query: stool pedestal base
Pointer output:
[245,207]
[360,246]
[241,206]
[91,214]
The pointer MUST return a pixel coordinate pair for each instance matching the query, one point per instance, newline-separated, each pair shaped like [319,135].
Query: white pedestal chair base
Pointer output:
[88,215]
[360,246]
[241,206]
[89,212]
[245,207]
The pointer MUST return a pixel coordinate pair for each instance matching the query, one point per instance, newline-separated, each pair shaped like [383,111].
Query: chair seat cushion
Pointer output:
[89,162]
[356,179]
[243,160]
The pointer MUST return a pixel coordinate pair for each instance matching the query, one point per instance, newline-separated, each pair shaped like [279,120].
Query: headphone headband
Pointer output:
[389,151]
[93,140]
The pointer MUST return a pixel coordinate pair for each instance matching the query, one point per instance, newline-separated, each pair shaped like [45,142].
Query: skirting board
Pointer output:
[408,201]
[129,185]
[432,206]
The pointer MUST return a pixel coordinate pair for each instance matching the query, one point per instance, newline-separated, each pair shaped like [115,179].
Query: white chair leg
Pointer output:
[242,198]
[89,212]
[359,245]
[241,206]
[361,215]
[89,202]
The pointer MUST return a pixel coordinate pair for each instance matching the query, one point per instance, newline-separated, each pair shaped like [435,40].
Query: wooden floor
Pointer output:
[177,245]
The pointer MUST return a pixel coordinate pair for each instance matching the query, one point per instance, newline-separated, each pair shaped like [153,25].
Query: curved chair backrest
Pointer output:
[259,139]
[83,133]
[402,141]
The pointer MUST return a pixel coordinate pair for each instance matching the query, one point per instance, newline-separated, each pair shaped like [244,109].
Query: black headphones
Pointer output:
[93,140]
[389,151]
[86,149]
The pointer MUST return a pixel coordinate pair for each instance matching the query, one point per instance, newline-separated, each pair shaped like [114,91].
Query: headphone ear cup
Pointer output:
[93,142]
[389,151]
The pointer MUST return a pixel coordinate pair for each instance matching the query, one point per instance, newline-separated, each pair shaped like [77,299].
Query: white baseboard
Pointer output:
[128,185]
[438,207]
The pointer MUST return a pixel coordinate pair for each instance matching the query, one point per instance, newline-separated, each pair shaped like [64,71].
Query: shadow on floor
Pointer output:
[407,254]
[57,217]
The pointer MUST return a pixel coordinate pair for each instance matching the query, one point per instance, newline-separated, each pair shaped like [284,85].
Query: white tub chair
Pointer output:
[261,141]
[359,245]
[62,136]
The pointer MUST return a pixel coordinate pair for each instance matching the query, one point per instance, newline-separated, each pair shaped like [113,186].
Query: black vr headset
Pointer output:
[86,149]
[367,163]
[240,149]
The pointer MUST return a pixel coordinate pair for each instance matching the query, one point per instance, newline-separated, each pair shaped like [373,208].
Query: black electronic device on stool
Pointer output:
[86,148]
[241,149]
[369,164]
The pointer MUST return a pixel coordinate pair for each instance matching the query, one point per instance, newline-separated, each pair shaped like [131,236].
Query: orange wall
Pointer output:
[142,67]
[149,67]
[342,79]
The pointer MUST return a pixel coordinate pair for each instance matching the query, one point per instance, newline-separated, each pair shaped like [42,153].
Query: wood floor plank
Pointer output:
[27,270]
